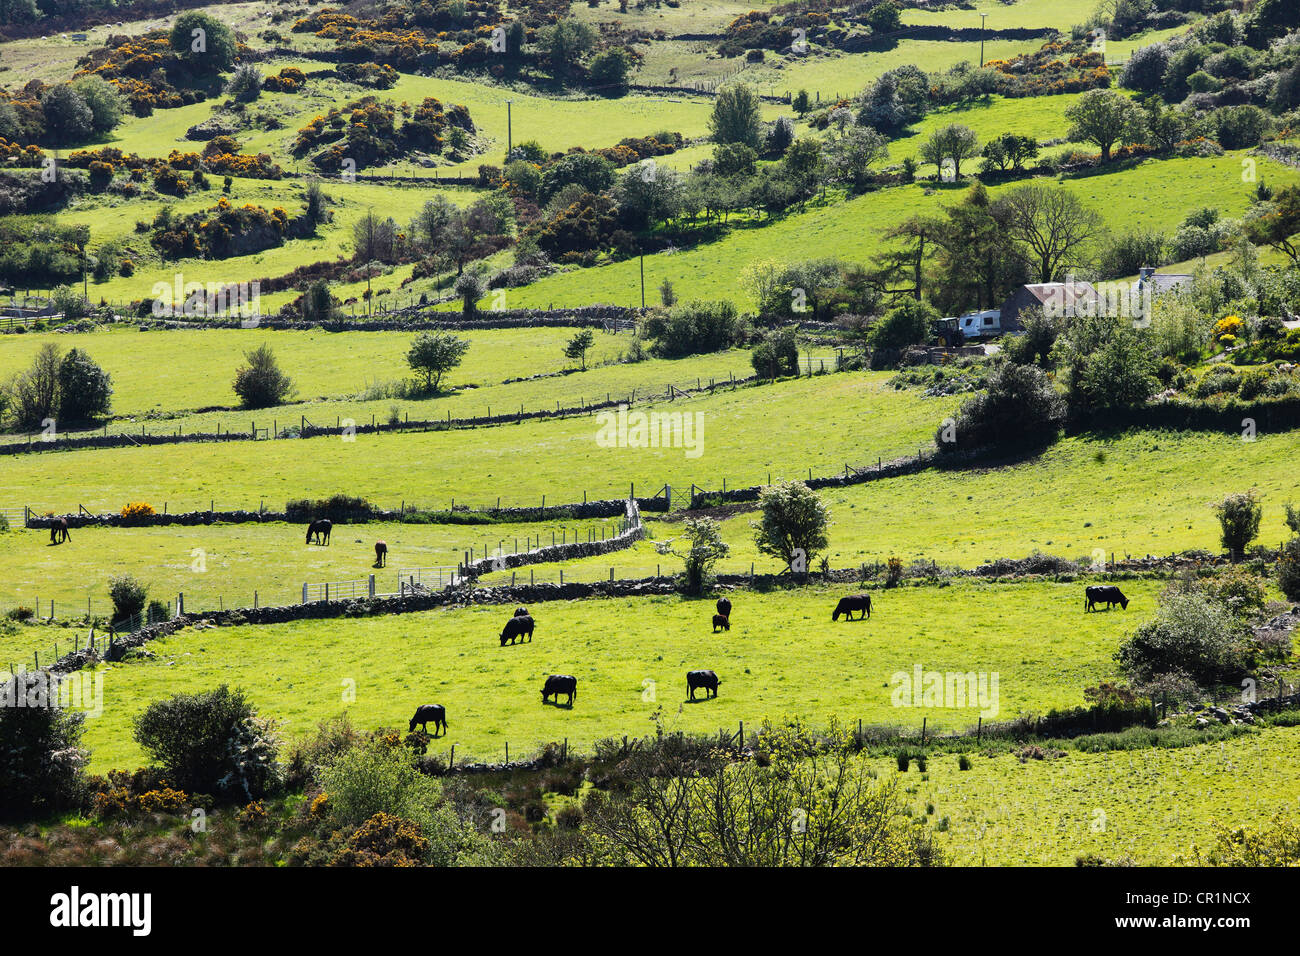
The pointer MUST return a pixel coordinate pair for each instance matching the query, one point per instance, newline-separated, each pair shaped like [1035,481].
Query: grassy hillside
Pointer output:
[560,459]
[782,658]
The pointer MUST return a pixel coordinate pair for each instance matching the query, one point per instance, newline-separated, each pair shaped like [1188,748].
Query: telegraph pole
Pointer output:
[983,16]
[509,137]
[642,280]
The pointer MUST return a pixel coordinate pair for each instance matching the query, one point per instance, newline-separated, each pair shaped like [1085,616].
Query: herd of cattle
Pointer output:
[521,625]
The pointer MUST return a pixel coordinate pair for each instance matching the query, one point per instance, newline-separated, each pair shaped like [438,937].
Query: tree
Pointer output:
[884,18]
[204,42]
[801,103]
[851,155]
[374,238]
[1009,149]
[260,383]
[1105,365]
[434,354]
[85,389]
[1053,228]
[1191,636]
[906,324]
[40,745]
[210,742]
[470,286]
[1276,223]
[777,354]
[975,258]
[1145,70]
[1239,517]
[1104,118]
[578,346]
[128,596]
[318,304]
[67,117]
[955,142]
[566,43]
[315,202]
[33,395]
[706,547]
[610,69]
[105,101]
[1019,408]
[735,117]
[245,84]
[793,525]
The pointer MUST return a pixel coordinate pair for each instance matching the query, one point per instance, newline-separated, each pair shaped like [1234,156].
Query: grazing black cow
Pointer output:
[854,602]
[381,554]
[706,679]
[724,607]
[521,612]
[430,712]
[558,684]
[320,530]
[58,530]
[1106,594]
[517,627]
[721,621]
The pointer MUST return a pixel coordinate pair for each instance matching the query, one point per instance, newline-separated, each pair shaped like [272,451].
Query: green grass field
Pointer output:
[1136,494]
[1153,806]
[1155,194]
[191,369]
[782,658]
[224,564]
[561,459]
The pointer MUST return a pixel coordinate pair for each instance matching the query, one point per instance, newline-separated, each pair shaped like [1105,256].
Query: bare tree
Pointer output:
[1054,229]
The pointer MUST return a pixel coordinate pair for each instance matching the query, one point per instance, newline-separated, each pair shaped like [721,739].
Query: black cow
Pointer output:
[430,712]
[1106,594]
[854,602]
[720,621]
[58,530]
[724,607]
[320,530]
[521,612]
[381,554]
[558,684]
[706,679]
[517,627]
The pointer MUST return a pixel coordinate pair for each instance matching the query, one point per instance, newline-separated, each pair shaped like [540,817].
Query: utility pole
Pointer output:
[983,16]
[509,132]
[642,280]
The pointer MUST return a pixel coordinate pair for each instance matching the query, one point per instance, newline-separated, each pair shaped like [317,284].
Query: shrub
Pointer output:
[777,354]
[1190,635]
[434,354]
[1020,408]
[1278,844]
[245,84]
[211,742]
[1239,518]
[260,383]
[793,525]
[40,749]
[706,547]
[693,328]
[128,596]
[1288,569]
[138,509]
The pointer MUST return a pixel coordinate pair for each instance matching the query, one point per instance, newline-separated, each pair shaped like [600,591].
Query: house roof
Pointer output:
[1060,296]
[1165,281]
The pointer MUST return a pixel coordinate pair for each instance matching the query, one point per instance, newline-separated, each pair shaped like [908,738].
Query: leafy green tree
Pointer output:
[735,117]
[85,389]
[67,117]
[260,383]
[106,103]
[1191,636]
[793,526]
[705,549]
[610,69]
[1276,223]
[44,761]
[1239,518]
[211,742]
[245,84]
[433,355]
[1104,118]
[955,142]
[579,345]
[204,42]
[802,103]
[777,354]
[1020,407]
[909,323]
[566,44]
